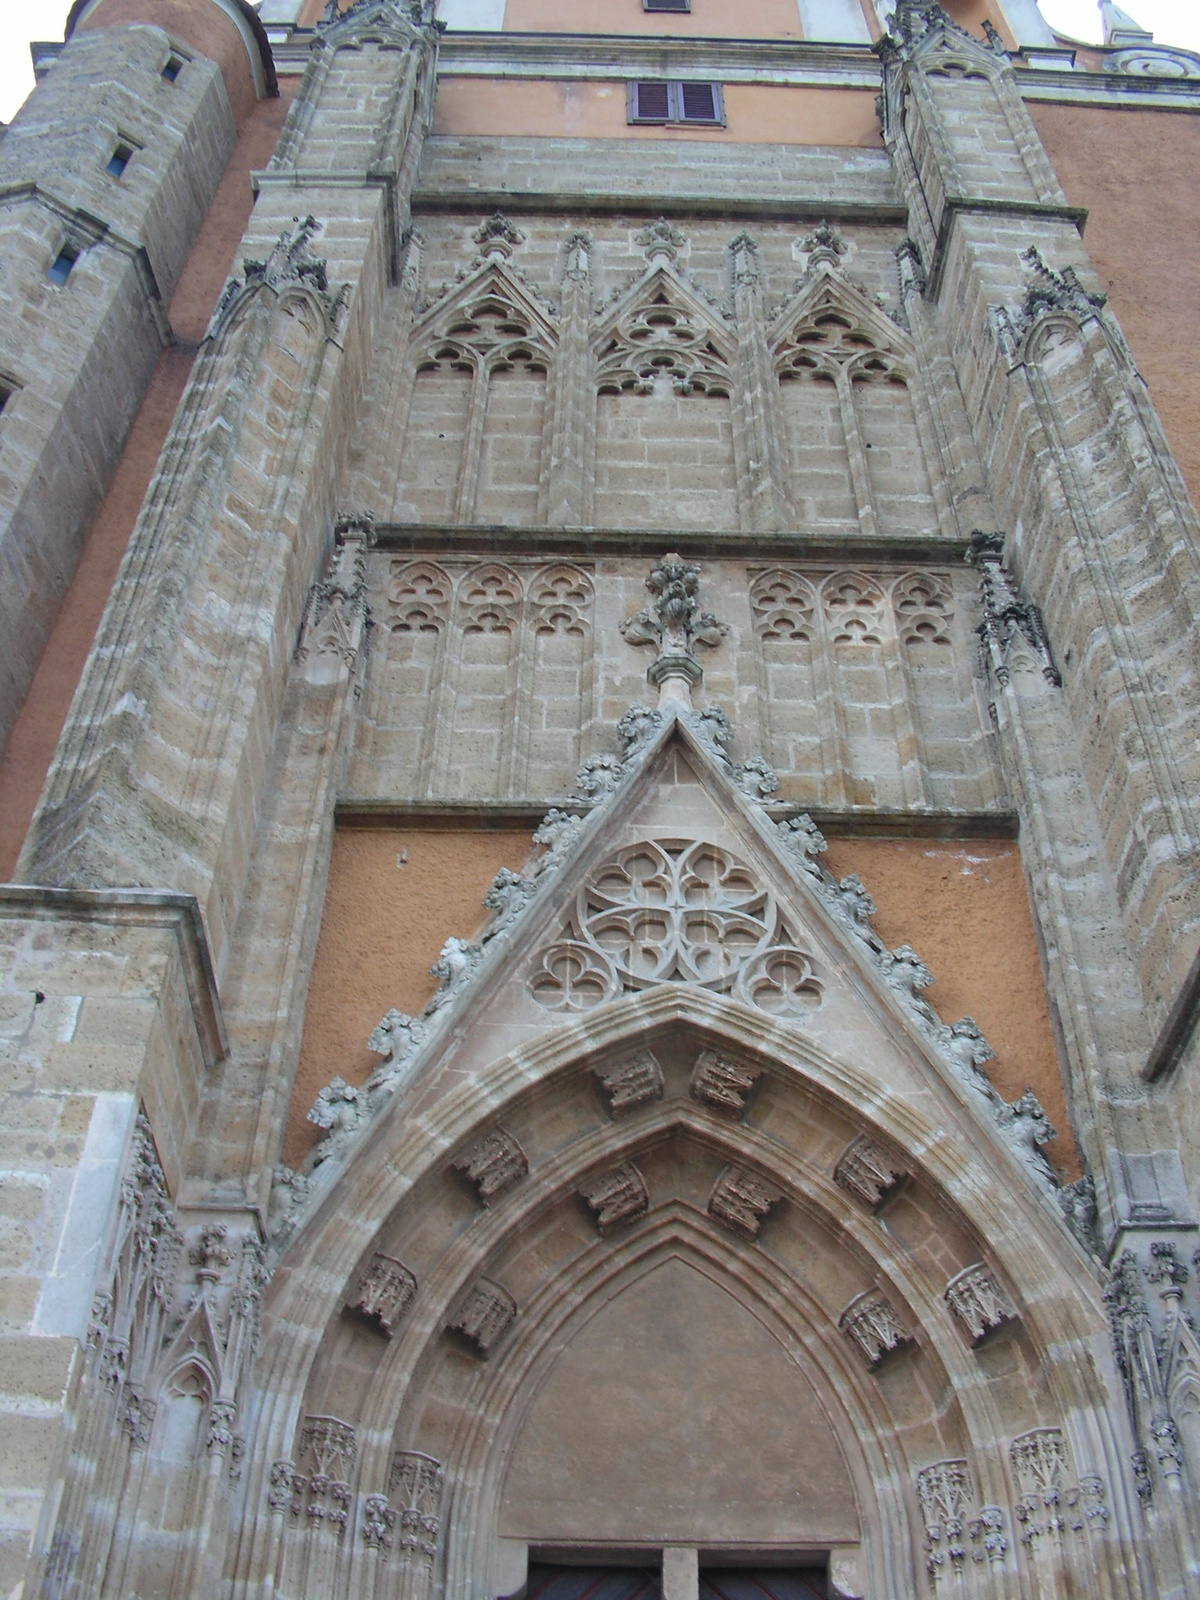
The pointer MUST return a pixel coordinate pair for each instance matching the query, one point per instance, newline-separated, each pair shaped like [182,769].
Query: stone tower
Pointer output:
[548,552]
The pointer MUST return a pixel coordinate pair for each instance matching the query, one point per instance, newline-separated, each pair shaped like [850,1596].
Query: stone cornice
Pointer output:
[866,822]
[759,547]
[768,61]
[655,202]
[137,908]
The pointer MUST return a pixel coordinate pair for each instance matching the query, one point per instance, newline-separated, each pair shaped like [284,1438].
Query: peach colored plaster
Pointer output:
[1136,173]
[957,903]
[708,19]
[26,757]
[208,30]
[755,113]
[382,929]
[964,907]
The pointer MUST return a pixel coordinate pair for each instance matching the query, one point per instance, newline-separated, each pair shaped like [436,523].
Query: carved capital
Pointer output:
[415,1485]
[979,1301]
[616,1197]
[723,1084]
[871,1324]
[384,1293]
[493,1165]
[485,1316]
[637,1081]
[741,1200]
[866,1171]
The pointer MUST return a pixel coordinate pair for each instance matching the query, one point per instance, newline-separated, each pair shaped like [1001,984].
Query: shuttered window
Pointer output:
[697,104]
[666,5]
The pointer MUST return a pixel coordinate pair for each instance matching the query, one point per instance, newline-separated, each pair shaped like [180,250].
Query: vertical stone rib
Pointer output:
[565,498]
[756,398]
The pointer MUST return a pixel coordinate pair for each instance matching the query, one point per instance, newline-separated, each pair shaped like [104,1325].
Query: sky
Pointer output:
[1171,22]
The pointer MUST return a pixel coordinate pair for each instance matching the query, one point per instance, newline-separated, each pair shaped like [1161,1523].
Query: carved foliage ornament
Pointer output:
[415,1485]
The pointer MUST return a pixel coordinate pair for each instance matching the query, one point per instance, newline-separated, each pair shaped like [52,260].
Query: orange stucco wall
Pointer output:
[588,109]
[382,929]
[26,757]
[384,924]
[708,19]
[1136,171]
[960,904]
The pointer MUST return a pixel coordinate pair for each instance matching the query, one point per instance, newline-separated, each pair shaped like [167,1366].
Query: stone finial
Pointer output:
[384,1293]
[675,625]
[493,1165]
[866,1171]
[616,1196]
[1007,618]
[661,242]
[870,1322]
[497,236]
[823,244]
[979,1301]
[741,1200]
[578,256]
[485,1316]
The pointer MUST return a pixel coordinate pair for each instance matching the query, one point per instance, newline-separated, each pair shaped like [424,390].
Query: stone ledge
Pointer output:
[137,908]
[761,548]
[365,811]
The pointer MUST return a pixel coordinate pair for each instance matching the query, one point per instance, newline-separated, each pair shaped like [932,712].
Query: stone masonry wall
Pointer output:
[79,355]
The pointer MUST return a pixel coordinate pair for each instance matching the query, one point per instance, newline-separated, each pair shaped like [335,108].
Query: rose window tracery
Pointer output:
[676,910]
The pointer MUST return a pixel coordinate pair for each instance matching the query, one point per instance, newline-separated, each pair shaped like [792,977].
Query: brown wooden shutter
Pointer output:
[650,102]
[700,102]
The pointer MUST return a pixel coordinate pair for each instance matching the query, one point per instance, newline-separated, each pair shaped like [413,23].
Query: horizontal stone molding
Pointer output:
[137,908]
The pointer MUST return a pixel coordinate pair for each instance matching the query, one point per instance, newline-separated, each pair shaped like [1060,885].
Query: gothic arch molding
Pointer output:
[416,1350]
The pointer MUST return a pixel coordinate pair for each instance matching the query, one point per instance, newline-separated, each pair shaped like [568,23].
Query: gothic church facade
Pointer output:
[562,564]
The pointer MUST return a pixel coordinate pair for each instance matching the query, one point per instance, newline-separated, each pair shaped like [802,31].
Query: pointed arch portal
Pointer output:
[685,1264]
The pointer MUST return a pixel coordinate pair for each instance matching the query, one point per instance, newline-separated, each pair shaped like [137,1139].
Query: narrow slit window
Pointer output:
[60,267]
[120,159]
[173,67]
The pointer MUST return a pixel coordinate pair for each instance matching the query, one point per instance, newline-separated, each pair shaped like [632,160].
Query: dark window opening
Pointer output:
[120,159]
[666,5]
[60,267]
[592,1583]
[763,1583]
[173,67]
[664,101]
[6,395]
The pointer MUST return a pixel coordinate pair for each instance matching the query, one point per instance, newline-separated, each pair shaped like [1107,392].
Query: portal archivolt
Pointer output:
[670,1244]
